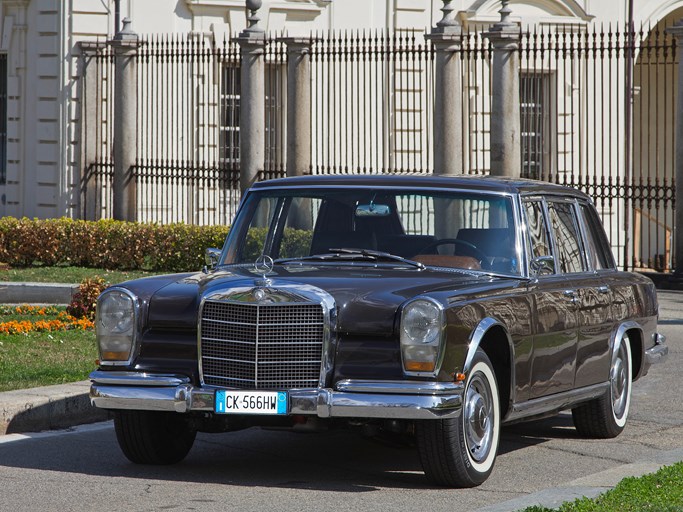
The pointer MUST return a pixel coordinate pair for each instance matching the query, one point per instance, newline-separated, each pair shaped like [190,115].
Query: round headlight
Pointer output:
[421,322]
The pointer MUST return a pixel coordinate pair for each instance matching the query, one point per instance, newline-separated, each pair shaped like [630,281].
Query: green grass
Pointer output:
[657,492]
[44,358]
[73,275]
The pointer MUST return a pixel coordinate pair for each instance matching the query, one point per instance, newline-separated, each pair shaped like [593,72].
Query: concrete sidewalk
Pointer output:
[47,408]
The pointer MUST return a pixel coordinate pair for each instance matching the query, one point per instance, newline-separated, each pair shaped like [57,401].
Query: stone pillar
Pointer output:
[88,119]
[677,32]
[298,106]
[506,143]
[447,40]
[252,43]
[125,44]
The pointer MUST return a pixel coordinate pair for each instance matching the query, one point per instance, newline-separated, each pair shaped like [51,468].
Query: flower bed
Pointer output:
[27,319]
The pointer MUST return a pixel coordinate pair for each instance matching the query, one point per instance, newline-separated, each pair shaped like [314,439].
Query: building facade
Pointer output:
[42,107]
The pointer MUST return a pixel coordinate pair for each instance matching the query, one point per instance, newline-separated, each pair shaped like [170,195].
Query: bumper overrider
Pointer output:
[348,399]
[659,352]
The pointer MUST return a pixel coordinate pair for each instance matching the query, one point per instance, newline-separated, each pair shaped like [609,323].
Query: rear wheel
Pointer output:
[460,452]
[605,417]
[149,437]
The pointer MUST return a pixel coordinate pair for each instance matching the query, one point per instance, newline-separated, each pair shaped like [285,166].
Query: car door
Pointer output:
[595,316]
[553,357]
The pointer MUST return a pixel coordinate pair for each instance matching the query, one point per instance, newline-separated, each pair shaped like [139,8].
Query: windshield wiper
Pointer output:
[376,255]
[367,254]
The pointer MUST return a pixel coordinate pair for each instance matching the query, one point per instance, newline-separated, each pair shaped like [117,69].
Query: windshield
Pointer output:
[458,230]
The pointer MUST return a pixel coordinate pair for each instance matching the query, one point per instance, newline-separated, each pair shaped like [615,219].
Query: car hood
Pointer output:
[366,297]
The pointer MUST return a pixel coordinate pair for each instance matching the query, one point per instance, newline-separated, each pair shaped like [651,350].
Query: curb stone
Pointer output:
[589,486]
[36,293]
[47,408]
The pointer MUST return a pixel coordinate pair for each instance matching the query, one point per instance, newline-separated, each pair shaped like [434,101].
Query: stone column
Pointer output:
[298,105]
[447,40]
[125,44]
[677,32]
[88,119]
[506,144]
[252,43]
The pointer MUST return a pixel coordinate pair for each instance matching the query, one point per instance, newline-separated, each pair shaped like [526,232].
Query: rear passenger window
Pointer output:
[538,233]
[597,246]
[567,239]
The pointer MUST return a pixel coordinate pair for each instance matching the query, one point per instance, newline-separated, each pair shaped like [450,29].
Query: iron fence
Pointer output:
[373,102]
[597,113]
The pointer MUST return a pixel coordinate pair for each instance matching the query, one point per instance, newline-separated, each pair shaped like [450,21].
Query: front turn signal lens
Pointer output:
[419,366]
[115,356]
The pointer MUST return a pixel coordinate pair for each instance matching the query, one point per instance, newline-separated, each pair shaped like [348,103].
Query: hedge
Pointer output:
[106,244]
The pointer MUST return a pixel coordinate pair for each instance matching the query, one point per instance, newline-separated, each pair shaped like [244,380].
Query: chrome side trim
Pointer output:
[478,335]
[618,336]
[138,378]
[475,340]
[392,401]
[555,403]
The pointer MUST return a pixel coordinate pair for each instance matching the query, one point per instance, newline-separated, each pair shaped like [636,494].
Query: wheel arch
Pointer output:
[635,336]
[493,338]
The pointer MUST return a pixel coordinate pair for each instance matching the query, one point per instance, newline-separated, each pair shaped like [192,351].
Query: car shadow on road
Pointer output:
[339,461]
[532,433]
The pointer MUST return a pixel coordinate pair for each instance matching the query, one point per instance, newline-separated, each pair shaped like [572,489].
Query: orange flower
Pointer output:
[63,323]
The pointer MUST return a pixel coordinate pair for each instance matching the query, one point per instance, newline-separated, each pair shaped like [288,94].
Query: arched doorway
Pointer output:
[654,107]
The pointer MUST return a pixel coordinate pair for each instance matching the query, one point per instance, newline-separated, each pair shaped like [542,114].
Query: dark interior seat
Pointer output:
[406,246]
[323,242]
[496,243]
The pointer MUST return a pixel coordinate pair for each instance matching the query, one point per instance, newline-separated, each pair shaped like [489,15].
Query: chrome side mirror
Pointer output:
[212,257]
[542,266]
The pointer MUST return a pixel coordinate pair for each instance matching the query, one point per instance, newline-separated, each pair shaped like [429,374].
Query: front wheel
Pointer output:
[149,437]
[460,452]
[605,417]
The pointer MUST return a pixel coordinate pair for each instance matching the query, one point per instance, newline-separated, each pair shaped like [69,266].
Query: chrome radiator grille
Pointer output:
[261,346]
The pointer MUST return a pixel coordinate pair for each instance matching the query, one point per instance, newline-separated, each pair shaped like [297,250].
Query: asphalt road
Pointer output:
[544,461]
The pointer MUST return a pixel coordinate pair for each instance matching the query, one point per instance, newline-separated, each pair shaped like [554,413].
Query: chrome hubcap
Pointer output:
[619,381]
[478,418]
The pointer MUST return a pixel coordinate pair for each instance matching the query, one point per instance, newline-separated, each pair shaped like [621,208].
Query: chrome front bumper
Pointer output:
[348,399]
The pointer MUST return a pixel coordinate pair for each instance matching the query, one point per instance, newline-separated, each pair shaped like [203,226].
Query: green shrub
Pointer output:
[106,244]
[84,301]
[295,243]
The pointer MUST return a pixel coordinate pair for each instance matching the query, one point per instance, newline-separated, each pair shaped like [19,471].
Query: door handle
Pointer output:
[571,295]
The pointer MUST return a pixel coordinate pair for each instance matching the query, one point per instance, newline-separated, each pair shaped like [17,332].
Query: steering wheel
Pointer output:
[468,248]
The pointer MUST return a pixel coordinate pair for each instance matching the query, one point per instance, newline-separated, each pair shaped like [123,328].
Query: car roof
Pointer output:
[413,180]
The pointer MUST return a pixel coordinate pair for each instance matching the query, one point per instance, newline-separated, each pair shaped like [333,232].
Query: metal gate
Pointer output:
[597,113]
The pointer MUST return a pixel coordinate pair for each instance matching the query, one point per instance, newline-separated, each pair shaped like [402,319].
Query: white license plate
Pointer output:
[251,402]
